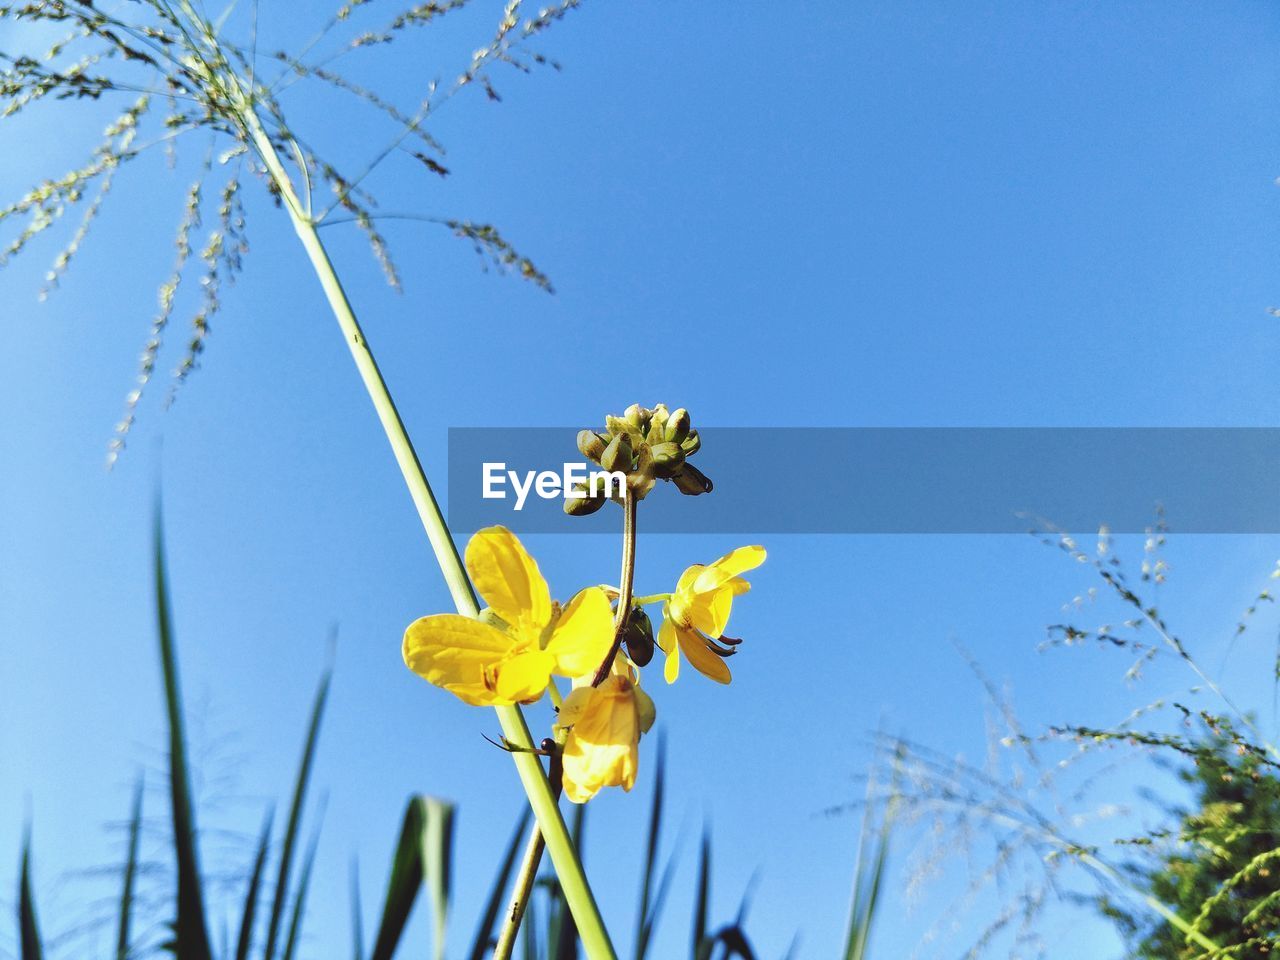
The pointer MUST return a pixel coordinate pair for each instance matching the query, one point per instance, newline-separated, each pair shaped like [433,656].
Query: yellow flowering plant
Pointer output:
[509,654]
[512,650]
[182,72]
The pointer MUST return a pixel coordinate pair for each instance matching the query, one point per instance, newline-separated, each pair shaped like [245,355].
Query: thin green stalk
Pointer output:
[533,778]
[535,845]
[649,598]
[523,891]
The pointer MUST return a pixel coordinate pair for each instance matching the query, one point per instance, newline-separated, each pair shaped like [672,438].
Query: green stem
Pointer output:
[649,598]
[522,893]
[564,857]
[534,846]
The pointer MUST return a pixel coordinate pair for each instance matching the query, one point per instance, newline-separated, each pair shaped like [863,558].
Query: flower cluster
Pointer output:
[647,445]
[601,638]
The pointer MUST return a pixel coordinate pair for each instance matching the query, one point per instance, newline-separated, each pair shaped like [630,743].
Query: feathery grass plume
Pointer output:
[211,83]
[1039,818]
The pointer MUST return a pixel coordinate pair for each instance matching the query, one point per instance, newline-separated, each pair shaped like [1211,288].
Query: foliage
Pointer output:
[1217,869]
[1040,822]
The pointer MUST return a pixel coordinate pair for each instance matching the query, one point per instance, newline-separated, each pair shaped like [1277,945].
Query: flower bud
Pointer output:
[590,445]
[667,459]
[638,637]
[677,426]
[641,479]
[692,481]
[658,424]
[638,417]
[617,455]
[582,504]
[691,444]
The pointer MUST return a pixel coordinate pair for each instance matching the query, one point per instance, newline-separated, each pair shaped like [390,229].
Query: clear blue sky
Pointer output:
[871,213]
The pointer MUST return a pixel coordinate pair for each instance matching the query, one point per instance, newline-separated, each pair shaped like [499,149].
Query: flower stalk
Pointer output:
[626,586]
[535,845]
[542,798]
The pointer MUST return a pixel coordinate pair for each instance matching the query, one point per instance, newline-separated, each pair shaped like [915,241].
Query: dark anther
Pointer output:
[720,651]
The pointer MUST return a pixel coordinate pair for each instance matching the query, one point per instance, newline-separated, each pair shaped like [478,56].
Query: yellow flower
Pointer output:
[603,745]
[698,611]
[509,659]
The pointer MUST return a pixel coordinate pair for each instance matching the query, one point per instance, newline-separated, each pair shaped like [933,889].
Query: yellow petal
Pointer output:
[509,580]
[671,647]
[575,704]
[710,612]
[602,749]
[704,661]
[646,712]
[684,586]
[729,566]
[454,652]
[523,677]
[583,634]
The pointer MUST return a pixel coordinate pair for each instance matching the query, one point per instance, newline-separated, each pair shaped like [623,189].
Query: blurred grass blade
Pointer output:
[191,933]
[406,879]
[281,896]
[300,899]
[438,860]
[660,897]
[701,944]
[28,927]
[250,910]
[648,911]
[745,905]
[130,874]
[357,912]
[734,941]
[868,878]
[493,906]
[423,854]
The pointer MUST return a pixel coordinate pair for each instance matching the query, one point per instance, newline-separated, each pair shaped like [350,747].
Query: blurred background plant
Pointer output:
[1166,824]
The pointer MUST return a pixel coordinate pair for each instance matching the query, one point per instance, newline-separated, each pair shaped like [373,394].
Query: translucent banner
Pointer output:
[893,480]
